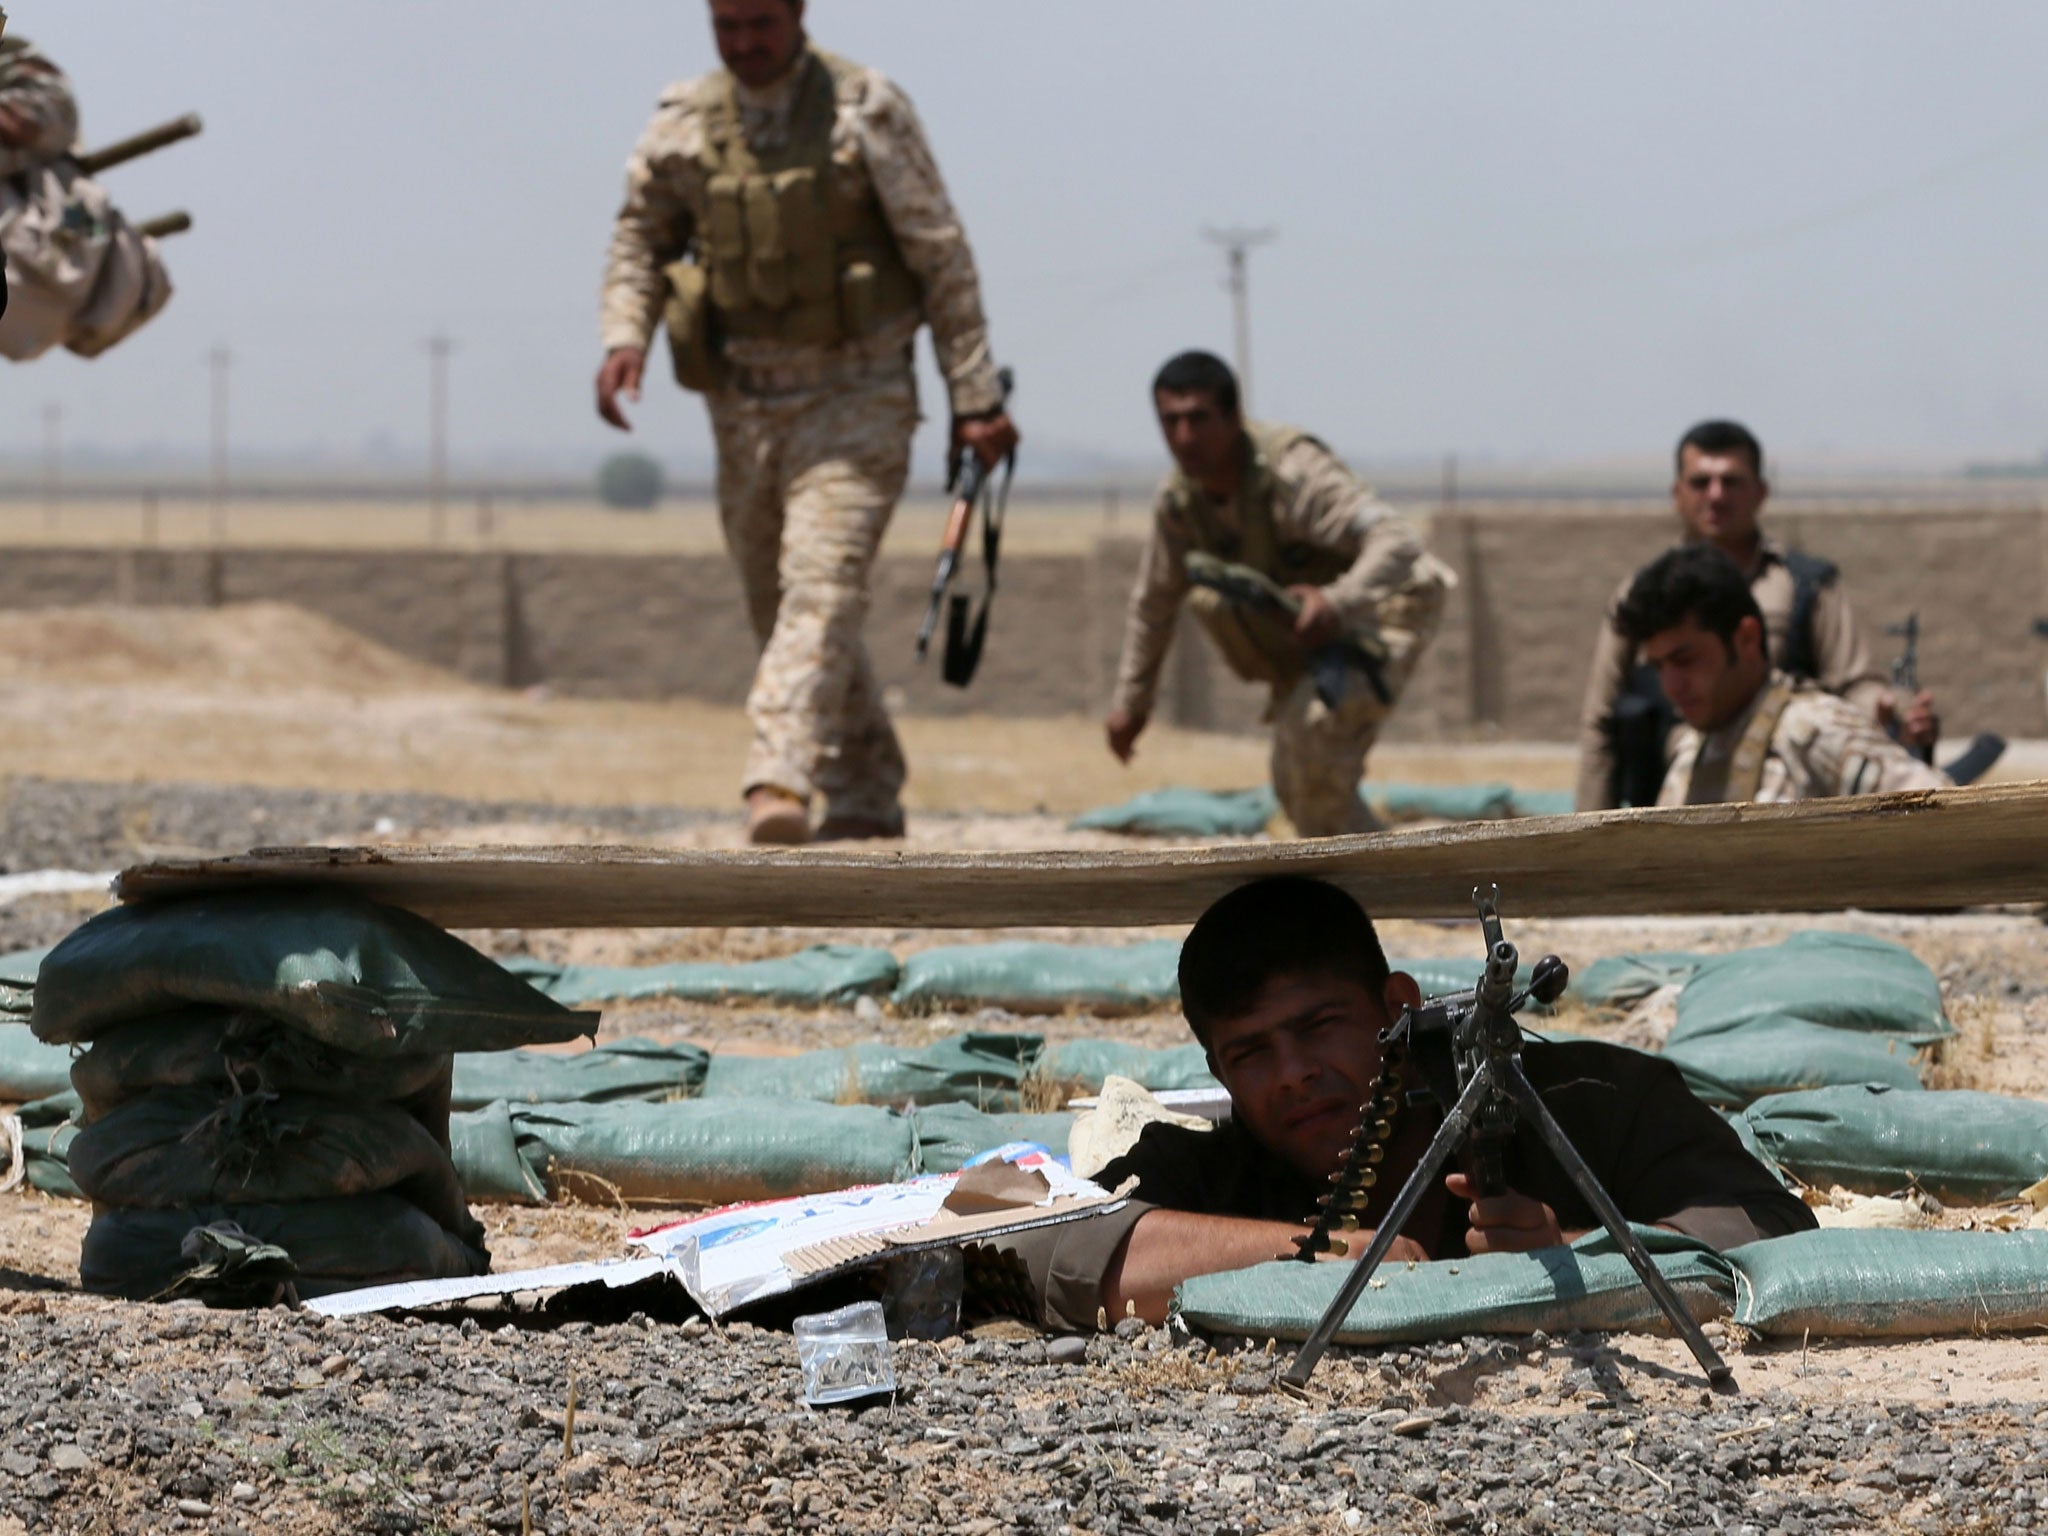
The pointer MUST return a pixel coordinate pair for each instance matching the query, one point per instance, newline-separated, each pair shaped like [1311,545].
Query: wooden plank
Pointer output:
[1918,851]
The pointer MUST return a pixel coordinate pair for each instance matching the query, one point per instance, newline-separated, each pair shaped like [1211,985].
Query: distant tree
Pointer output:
[631,482]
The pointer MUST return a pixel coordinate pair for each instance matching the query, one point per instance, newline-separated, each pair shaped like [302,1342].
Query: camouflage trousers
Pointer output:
[806,485]
[1319,752]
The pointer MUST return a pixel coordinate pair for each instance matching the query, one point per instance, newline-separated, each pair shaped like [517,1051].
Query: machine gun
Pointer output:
[971,483]
[1467,1049]
[1335,665]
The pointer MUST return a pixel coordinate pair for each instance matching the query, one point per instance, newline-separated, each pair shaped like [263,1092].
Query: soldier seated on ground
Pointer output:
[1277,501]
[1286,986]
[1750,732]
[1718,492]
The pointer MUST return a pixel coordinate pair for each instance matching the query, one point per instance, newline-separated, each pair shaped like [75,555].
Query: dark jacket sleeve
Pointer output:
[1666,1158]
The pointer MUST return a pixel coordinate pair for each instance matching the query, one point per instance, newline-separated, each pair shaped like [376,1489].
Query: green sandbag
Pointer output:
[182,1147]
[822,974]
[1088,1062]
[336,1245]
[618,1069]
[485,1148]
[1545,802]
[1439,802]
[1768,1055]
[202,1047]
[30,1069]
[1029,977]
[18,982]
[950,1135]
[980,1069]
[1845,1284]
[1846,980]
[1962,1147]
[712,1151]
[357,976]
[48,1127]
[1177,812]
[1616,981]
[1588,1285]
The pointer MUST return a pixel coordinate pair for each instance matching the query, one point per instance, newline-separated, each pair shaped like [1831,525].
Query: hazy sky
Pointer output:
[1534,232]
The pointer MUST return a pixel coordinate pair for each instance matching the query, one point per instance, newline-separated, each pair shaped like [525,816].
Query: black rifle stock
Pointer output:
[972,484]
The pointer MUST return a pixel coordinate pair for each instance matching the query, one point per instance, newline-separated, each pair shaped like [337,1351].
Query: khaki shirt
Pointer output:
[1662,1154]
[876,137]
[34,88]
[1822,746]
[1318,501]
[1839,650]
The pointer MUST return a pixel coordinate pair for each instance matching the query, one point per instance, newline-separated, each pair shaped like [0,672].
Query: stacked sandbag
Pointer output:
[264,1097]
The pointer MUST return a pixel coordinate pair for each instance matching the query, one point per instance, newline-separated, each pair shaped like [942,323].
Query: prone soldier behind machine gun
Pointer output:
[1329,565]
[1285,985]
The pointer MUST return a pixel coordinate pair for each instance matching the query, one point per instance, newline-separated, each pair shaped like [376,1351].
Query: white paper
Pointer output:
[732,1256]
[425,1293]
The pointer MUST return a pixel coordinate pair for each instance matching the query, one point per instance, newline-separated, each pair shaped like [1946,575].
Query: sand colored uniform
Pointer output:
[1663,1155]
[34,90]
[1794,742]
[813,214]
[1302,518]
[1832,651]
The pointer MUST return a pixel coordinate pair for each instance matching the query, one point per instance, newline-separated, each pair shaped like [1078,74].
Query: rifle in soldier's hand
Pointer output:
[973,484]
[1332,665]
[1906,676]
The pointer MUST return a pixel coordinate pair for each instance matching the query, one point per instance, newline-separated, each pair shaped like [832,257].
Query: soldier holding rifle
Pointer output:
[1350,595]
[786,221]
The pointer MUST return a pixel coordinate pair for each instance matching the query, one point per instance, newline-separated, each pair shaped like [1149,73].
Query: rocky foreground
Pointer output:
[139,1419]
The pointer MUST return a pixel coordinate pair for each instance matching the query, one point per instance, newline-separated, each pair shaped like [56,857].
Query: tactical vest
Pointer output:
[791,253]
[1258,644]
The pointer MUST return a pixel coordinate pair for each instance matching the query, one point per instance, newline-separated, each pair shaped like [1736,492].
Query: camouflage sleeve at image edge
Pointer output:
[34,90]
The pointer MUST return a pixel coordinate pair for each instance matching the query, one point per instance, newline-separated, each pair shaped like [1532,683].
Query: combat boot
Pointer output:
[775,816]
[853,829]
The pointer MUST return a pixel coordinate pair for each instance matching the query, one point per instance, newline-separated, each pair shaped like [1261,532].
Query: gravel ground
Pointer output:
[174,1418]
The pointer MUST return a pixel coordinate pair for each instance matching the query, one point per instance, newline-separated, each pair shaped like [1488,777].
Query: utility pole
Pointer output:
[1237,244]
[53,463]
[439,349]
[218,362]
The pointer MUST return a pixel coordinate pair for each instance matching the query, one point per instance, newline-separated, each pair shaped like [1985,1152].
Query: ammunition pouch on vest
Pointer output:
[787,250]
[1258,644]
[689,321]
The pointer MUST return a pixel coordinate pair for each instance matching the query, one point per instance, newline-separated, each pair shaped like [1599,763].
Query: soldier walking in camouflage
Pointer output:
[786,221]
[1276,500]
[1750,731]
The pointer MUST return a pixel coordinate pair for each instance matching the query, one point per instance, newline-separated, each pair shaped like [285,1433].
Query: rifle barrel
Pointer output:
[165,224]
[148,142]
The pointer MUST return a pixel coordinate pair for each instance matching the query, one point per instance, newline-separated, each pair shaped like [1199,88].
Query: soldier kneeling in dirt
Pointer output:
[1286,986]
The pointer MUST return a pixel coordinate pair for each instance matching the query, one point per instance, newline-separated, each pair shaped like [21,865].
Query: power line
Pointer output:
[1237,244]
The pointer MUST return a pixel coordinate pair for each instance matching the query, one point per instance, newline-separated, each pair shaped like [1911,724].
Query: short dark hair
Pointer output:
[1720,437]
[1694,581]
[1203,371]
[1284,926]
